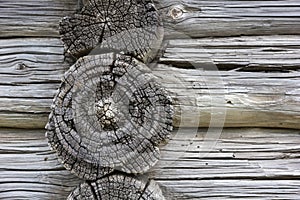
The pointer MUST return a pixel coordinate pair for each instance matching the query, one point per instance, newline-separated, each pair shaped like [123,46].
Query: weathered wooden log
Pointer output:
[254,53]
[256,163]
[117,187]
[132,27]
[31,69]
[207,18]
[109,115]
[197,18]
[30,76]
[203,98]
[33,18]
[31,73]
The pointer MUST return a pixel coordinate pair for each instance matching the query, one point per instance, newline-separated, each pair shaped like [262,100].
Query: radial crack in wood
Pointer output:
[117,187]
[109,114]
[133,27]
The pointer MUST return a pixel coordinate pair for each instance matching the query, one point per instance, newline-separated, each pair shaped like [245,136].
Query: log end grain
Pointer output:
[109,114]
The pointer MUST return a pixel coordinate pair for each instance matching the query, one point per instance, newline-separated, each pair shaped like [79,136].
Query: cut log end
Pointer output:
[109,114]
[117,187]
[133,27]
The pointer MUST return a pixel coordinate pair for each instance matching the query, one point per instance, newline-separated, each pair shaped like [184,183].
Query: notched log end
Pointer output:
[102,26]
[118,187]
[109,114]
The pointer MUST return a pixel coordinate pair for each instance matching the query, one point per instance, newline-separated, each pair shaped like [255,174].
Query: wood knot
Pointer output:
[176,12]
[21,66]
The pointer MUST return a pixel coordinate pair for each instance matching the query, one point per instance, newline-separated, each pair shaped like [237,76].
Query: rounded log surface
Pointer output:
[129,26]
[117,187]
[109,114]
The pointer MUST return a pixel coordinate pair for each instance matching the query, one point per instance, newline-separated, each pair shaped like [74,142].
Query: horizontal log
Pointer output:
[33,18]
[192,18]
[265,162]
[261,53]
[240,189]
[204,18]
[239,99]
[31,72]
[31,69]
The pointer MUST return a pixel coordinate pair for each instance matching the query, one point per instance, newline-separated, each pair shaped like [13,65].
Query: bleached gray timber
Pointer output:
[244,37]
[117,186]
[109,114]
[256,163]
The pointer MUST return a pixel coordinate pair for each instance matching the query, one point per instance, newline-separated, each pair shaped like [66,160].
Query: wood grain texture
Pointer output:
[246,163]
[109,115]
[31,72]
[244,99]
[130,26]
[204,18]
[33,18]
[198,19]
[117,186]
[31,68]
[252,163]
[247,53]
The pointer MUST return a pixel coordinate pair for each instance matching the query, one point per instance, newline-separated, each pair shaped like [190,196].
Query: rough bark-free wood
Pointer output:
[250,99]
[133,27]
[246,163]
[31,68]
[256,163]
[117,187]
[246,53]
[207,18]
[239,99]
[201,18]
[109,115]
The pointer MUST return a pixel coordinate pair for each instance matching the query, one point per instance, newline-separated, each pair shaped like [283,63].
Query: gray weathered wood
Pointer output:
[246,53]
[199,18]
[206,18]
[256,163]
[31,69]
[33,18]
[130,26]
[101,120]
[118,186]
[246,163]
[244,99]
[31,76]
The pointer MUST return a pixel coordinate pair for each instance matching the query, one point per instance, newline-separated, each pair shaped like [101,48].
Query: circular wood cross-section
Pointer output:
[117,187]
[109,114]
[129,26]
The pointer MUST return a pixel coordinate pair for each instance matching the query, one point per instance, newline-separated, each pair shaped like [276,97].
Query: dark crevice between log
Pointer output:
[260,178]
[229,67]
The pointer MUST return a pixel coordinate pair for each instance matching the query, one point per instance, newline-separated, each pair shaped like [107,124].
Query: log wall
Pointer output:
[32,61]
[255,46]
[244,164]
